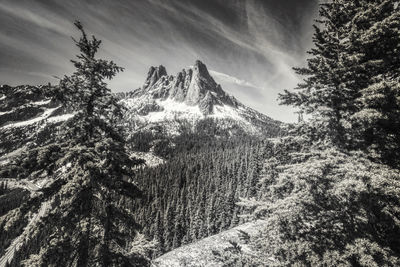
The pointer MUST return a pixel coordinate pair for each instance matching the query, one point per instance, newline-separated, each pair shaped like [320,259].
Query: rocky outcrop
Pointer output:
[192,86]
[154,74]
[149,107]
[206,104]
[181,85]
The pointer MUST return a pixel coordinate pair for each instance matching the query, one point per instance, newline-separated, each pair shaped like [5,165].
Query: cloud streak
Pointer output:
[250,45]
[231,79]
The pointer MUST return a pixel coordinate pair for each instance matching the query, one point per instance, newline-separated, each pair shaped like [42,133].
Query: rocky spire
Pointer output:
[154,74]
[193,86]
[200,70]
[200,84]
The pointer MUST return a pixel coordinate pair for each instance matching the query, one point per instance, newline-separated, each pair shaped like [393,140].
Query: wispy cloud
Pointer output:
[251,45]
[36,20]
[230,79]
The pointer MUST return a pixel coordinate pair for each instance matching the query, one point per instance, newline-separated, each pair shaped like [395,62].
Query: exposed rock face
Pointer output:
[207,103]
[150,107]
[154,74]
[172,104]
[181,85]
[192,86]
[200,84]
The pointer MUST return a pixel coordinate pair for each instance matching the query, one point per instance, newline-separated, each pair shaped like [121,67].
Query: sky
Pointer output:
[249,46]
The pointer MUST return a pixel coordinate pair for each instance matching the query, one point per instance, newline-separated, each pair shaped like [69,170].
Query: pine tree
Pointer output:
[90,170]
[375,43]
[351,87]
[169,226]
[325,202]
[324,93]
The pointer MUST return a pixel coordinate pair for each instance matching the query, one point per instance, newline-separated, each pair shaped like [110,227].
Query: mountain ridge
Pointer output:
[190,95]
[193,86]
[165,103]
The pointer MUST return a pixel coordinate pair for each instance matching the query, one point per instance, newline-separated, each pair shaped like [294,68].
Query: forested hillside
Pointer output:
[191,197]
[73,193]
[321,192]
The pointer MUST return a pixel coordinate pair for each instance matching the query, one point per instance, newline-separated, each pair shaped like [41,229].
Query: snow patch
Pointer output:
[44,116]
[64,168]
[226,111]
[173,110]
[5,112]
[229,112]
[60,118]
[41,103]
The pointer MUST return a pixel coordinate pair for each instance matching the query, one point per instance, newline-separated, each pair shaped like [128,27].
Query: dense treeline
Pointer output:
[193,195]
[9,200]
[205,133]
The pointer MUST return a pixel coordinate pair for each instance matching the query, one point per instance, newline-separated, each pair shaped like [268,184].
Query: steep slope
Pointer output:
[25,112]
[210,251]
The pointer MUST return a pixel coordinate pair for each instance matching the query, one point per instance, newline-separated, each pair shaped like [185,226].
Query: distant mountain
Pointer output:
[190,96]
[166,106]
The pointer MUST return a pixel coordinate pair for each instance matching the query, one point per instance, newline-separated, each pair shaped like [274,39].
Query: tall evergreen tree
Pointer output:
[351,87]
[84,223]
[324,93]
[325,202]
[375,44]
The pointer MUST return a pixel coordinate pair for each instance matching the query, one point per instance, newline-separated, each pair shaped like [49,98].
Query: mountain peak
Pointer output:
[154,74]
[201,69]
[192,86]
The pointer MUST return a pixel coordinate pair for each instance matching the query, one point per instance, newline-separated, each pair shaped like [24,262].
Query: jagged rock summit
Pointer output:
[191,97]
[154,74]
[165,104]
[193,86]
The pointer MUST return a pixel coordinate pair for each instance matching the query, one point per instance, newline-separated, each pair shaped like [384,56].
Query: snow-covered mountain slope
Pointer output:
[24,110]
[190,96]
[166,106]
